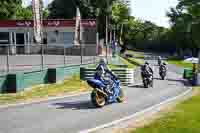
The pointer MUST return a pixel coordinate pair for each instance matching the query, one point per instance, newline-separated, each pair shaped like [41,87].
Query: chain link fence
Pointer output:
[27,58]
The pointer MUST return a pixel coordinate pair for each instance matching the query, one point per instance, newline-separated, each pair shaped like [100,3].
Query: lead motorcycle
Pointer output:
[100,96]
[162,72]
[147,78]
[148,81]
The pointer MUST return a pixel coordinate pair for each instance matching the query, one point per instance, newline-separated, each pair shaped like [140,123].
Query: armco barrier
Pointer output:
[55,74]
[126,75]
[35,78]
[3,83]
[17,82]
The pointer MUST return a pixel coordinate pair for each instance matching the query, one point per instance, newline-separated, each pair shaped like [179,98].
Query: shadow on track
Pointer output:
[176,80]
[77,105]
[137,86]
[156,78]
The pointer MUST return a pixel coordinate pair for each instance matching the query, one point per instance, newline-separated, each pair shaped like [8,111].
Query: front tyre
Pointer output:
[98,99]
[162,76]
[145,84]
[120,98]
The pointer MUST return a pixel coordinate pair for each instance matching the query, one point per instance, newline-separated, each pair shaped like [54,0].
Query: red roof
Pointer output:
[47,23]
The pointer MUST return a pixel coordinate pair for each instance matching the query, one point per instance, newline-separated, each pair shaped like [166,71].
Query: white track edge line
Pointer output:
[137,113]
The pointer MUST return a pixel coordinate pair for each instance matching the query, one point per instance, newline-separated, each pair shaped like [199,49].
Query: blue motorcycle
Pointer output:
[100,96]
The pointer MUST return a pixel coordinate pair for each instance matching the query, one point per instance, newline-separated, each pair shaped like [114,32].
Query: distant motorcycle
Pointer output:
[159,60]
[162,72]
[100,96]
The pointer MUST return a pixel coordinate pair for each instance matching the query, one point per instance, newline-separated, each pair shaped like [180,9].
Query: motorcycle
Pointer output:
[146,78]
[148,81]
[159,62]
[163,73]
[100,97]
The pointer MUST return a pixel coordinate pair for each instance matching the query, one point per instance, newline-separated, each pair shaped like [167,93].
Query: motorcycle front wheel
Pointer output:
[120,98]
[145,84]
[162,76]
[98,99]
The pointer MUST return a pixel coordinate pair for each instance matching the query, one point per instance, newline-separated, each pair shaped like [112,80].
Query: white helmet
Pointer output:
[103,61]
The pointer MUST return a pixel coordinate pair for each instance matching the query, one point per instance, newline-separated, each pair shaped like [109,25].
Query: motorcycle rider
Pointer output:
[159,60]
[101,71]
[146,71]
[163,67]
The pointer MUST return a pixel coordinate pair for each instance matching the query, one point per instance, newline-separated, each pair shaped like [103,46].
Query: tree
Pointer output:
[63,9]
[26,13]
[185,24]
[120,15]
[8,8]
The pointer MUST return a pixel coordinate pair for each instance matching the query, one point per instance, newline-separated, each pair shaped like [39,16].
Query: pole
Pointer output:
[80,41]
[97,43]
[64,52]
[107,37]
[7,59]
[81,50]
[110,35]
[42,57]
[114,35]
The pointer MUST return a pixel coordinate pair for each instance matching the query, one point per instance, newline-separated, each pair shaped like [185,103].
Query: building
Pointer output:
[57,34]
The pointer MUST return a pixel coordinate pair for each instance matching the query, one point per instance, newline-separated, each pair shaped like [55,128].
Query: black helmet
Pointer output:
[146,63]
[164,63]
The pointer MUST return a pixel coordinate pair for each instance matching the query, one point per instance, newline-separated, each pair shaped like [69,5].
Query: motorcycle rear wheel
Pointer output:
[145,84]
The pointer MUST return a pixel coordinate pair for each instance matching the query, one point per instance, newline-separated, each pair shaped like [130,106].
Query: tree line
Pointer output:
[130,31]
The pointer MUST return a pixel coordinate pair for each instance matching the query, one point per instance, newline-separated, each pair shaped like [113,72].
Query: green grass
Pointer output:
[136,54]
[41,92]
[138,61]
[179,63]
[124,61]
[185,118]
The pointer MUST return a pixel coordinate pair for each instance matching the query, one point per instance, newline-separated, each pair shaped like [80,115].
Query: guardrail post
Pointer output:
[7,59]
[42,56]
[64,56]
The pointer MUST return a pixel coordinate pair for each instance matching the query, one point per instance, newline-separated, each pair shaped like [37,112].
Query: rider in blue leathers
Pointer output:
[101,71]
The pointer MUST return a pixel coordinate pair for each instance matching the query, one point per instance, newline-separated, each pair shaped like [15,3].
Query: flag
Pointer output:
[37,20]
[77,37]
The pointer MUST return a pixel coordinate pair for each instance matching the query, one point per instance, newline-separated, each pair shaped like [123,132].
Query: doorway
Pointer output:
[20,42]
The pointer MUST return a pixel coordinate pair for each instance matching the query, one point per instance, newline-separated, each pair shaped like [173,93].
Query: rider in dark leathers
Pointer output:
[146,71]
[163,68]
[159,60]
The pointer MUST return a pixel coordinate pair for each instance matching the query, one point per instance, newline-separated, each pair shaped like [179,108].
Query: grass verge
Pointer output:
[138,55]
[184,118]
[126,62]
[44,91]
[136,61]
[179,62]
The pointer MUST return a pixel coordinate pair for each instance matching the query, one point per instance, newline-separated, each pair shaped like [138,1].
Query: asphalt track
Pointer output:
[75,114]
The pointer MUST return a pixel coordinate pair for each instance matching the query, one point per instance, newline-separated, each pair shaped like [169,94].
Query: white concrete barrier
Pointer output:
[125,75]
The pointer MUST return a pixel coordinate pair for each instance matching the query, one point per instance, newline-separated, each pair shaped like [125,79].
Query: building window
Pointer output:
[4,37]
[68,39]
